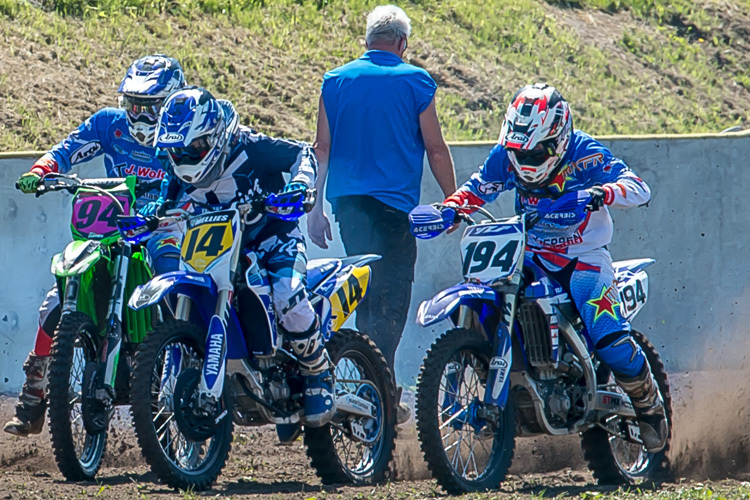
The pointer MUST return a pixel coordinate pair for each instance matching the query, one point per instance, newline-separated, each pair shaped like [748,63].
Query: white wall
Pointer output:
[696,227]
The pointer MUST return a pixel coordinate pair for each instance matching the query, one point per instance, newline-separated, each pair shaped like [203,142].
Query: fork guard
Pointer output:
[446,303]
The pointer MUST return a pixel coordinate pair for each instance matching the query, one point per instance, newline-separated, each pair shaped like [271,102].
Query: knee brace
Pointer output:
[620,352]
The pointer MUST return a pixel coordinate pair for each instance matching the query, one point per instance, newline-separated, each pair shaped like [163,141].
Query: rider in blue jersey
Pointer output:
[124,138]
[541,157]
[216,161]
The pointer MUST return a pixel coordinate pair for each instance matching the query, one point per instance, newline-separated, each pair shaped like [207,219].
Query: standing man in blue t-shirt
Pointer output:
[376,119]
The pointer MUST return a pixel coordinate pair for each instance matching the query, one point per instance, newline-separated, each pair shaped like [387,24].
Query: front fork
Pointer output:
[214,365]
[498,386]
[109,352]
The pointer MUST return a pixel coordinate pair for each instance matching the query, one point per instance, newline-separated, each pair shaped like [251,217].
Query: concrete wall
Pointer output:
[696,227]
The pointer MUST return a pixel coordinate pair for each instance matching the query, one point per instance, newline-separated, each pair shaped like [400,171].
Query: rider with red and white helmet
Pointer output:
[536,134]
[541,156]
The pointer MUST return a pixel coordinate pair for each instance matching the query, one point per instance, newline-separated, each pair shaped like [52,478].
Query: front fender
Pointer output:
[174,282]
[77,258]
[445,303]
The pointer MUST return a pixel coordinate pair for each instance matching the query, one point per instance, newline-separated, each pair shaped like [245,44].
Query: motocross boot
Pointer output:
[649,408]
[403,412]
[32,402]
[320,404]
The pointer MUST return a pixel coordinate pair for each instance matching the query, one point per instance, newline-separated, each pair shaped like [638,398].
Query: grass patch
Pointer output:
[671,67]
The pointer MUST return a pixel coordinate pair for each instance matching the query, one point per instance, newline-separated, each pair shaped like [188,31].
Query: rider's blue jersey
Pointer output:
[586,164]
[106,134]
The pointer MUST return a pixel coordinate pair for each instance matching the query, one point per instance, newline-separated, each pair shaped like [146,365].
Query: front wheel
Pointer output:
[616,460]
[78,453]
[184,449]
[467,446]
[354,449]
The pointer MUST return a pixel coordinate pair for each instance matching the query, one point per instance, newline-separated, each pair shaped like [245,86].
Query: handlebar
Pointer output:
[54,181]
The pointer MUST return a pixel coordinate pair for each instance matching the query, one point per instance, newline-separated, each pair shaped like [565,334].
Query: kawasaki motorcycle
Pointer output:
[518,361]
[224,361]
[97,336]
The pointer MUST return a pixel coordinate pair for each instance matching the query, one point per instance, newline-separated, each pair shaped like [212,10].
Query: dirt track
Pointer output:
[711,443]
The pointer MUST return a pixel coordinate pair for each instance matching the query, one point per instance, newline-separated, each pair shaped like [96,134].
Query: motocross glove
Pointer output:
[28,182]
[152,208]
[294,186]
[598,195]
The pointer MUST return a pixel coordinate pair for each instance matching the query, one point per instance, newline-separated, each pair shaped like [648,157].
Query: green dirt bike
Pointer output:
[97,335]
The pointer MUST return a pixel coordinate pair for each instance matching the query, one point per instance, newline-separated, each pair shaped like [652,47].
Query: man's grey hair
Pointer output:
[387,23]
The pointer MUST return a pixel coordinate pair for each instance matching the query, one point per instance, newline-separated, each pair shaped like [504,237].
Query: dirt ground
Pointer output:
[710,444]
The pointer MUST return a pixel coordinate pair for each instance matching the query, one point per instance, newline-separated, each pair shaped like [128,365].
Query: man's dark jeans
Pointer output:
[368,225]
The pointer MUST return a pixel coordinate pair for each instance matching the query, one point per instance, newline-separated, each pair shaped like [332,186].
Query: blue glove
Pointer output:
[151,208]
[294,186]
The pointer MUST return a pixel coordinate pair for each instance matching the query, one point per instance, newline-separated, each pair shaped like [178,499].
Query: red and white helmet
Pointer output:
[536,134]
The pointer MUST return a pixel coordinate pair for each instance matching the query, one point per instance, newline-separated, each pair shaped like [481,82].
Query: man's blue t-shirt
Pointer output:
[373,105]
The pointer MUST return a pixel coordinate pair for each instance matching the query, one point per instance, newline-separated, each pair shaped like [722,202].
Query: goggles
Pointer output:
[533,157]
[140,109]
[191,154]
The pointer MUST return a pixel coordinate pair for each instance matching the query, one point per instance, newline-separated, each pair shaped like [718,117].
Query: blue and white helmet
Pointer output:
[196,129]
[148,82]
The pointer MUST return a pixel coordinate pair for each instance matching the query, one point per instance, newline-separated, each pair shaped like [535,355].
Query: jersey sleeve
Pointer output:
[82,145]
[285,155]
[623,188]
[485,185]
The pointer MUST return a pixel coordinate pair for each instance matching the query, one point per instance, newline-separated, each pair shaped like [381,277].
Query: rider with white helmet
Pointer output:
[123,138]
[540,155]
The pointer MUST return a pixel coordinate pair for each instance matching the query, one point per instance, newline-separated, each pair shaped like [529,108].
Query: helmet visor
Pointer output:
[191,154]
[142,110]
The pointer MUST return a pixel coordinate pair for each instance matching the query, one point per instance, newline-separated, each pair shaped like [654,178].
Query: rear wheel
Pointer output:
[78,453]
[185,449]
[463,450]
[616,460]
[354,449]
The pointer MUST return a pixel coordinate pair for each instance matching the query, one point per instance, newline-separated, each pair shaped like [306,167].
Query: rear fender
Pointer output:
[445,304]
[77,258]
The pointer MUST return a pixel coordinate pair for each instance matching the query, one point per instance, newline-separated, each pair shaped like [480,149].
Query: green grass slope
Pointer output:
[626,66]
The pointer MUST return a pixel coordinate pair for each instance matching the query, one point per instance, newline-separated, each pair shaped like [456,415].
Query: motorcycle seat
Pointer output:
[319,270]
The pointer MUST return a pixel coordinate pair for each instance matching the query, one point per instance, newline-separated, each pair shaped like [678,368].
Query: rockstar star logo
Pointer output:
[606,303]
[561,179]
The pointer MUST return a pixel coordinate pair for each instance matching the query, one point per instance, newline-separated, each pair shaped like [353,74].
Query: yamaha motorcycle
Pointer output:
[96,336]
[518,361]
[224,361]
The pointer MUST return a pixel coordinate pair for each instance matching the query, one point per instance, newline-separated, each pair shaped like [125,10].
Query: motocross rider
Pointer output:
[124,137]
[215,160]
[540,155]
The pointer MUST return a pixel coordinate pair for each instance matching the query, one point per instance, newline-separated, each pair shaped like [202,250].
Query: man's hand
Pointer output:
[28,182]
[319,228]
[598,196]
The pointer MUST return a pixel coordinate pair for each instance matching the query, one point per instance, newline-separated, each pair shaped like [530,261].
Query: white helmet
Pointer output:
[148,82]
[536,134]
[196,130]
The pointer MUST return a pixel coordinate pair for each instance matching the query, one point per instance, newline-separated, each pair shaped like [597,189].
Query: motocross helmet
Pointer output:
[536,134]
[148,82]
[196,130]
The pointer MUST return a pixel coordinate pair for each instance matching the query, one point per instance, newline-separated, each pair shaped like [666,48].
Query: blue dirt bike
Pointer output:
[518,361]
[223,361]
